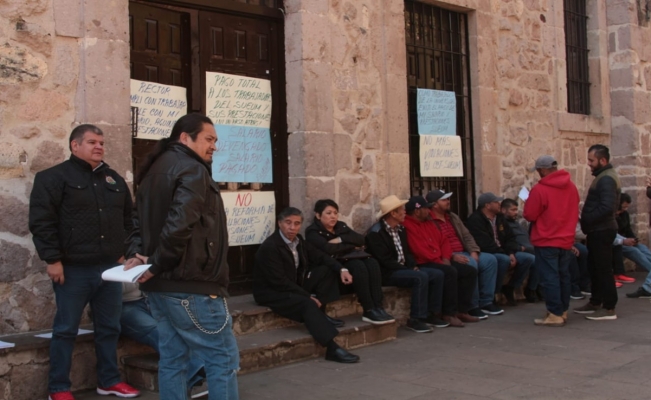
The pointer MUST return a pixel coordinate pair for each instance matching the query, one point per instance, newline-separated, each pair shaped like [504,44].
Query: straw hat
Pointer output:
[389,204]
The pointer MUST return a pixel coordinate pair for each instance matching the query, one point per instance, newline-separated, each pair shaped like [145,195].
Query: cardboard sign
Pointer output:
[437,112]
[159,106]
[440,155]
[251,216]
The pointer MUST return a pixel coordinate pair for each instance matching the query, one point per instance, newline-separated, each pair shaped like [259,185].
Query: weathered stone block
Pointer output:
[312,6]
[25,131]
[13,261]
[35,37]
[319,150]
[342,157]
[362,219]
[48,154]
[65,62]
[107,20]
[12,157]
[349,192]
[18,65]
[43,105]
[68,17]
[29,381]
[396,122]
[621,12]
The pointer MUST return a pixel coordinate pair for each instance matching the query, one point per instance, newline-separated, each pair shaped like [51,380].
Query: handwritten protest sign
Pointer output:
[243,154]
[159,106]
[251,216]
[440,155]
[437,112]
[240,107]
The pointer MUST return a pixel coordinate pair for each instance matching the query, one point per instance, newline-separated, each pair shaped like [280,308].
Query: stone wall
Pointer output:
[347,97]
[62,63]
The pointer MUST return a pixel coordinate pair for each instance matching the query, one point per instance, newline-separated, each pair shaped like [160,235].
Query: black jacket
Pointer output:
[482,230]
[602,201]
[275,272]
[181,225]
[79,216]
[380,244]
[624,225]
[319,236]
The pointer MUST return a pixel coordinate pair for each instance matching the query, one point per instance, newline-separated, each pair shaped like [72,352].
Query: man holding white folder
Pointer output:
[180,229]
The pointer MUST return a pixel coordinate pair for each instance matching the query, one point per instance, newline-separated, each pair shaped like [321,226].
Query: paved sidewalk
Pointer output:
[504,357]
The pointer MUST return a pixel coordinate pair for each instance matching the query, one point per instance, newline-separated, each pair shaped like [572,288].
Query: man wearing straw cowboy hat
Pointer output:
[387,241]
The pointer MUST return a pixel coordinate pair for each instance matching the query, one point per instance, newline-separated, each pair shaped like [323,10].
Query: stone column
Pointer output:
[346,104]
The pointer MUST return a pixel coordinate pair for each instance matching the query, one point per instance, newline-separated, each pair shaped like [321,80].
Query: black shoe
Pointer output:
[478,313]
[336,322]
[375,317]
[417,325]
[640,293]
[577,296]
[507,291]
[492,309]
[530,295]
[437,322]
[337,354]
[385,314]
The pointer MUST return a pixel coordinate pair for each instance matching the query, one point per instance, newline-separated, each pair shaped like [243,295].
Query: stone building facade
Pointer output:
[65,62]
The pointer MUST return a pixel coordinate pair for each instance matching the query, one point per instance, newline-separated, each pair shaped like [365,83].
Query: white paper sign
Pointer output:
[159,106]
[251,216]
[524,193]
[440,155]
[437,112]
[238,100]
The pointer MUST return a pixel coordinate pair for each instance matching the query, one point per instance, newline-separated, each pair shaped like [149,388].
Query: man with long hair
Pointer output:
[180,229]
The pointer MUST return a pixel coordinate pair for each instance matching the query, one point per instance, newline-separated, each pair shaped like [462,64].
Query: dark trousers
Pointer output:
[426,289]
[579,270]
[600,265]
[322,283]
[618,261]
[367,282]
[553,266]
[458,286]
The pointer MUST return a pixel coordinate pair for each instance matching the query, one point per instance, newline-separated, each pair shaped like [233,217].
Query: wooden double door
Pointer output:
[176,43]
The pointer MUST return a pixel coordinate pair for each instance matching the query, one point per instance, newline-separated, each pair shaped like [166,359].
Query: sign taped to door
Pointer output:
[440,155]
[240,108]
[159,106]
[251,216]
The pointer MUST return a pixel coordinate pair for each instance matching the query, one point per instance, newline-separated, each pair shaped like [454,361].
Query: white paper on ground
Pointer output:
[118,274]
[524,193]
[5,345]
[49,334]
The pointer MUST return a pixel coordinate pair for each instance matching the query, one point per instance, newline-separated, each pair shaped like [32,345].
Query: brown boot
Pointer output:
[465,317]
[550,320]
[453,321]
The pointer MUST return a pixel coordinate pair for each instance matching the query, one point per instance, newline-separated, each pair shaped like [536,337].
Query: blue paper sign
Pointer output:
[437,112]
[243,154]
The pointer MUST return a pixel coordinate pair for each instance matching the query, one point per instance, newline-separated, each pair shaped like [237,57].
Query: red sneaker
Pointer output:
[618,285]
[120,389]
[61,396]
[624,279]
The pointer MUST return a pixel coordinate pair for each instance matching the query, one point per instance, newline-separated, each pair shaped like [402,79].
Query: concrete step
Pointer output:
[249,317]
[271,348]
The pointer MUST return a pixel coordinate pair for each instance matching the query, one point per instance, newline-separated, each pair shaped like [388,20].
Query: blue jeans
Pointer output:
[138,324]
[486,277]
[198,326]
[83,285]
[426,289]
[640,255]
[524,263]
[553,265]
[579,269]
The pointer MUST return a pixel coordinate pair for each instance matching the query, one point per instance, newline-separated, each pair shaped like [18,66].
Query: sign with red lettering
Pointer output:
[251,216]
[159,106]
[240,108]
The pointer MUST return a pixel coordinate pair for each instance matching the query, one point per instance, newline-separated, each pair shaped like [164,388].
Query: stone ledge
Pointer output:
[28,341]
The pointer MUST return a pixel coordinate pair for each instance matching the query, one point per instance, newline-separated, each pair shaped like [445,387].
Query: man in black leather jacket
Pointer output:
[180,229]
[79,216]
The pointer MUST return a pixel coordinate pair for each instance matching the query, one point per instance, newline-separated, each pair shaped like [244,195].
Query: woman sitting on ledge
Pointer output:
[341,242]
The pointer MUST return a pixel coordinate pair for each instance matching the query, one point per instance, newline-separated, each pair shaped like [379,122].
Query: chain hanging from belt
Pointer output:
[186,304]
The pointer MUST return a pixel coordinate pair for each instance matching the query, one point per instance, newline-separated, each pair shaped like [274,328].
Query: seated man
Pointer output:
[431,249]
[521,231]
[296,280]
[137,323]
[466,251]
[494,236]
[630,248]
[387,242]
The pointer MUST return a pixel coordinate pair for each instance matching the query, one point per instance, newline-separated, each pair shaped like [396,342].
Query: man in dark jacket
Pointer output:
[493,235]
[180,229]
[296,280]
[79,216]
[387,241]
[599,224]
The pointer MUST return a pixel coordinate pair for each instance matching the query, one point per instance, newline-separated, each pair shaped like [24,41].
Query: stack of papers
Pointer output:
[118,274]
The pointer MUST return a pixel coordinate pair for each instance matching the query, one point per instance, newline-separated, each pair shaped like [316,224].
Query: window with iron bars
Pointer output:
[576,49]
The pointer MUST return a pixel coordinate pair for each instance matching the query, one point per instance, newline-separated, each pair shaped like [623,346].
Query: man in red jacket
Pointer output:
[431,249]
[552,209]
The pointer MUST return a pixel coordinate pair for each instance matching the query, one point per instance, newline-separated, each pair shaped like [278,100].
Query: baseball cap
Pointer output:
[545,162]
[486,198]
[436,195]
[416,202]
